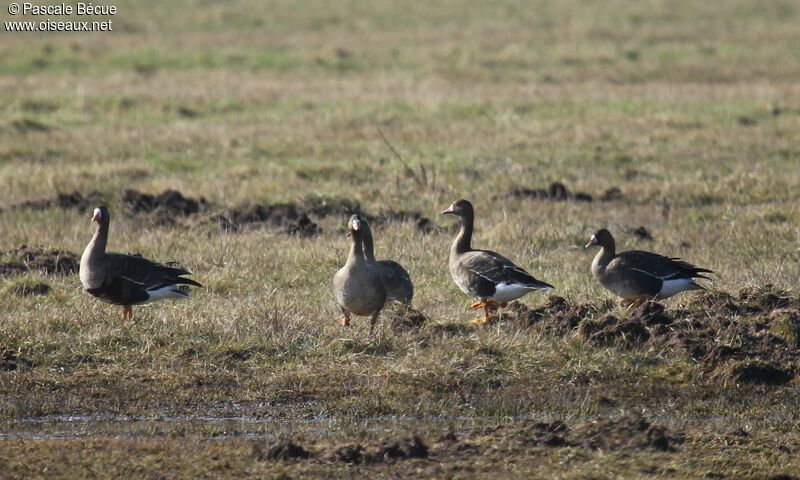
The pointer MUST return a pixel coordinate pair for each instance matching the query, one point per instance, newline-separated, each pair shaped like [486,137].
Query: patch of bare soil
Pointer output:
[292,219]
[296,218]
[37,259]
[557,191]
[164,208]
[75,200]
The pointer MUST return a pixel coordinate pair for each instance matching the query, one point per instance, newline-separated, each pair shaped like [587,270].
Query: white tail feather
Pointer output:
[170,291]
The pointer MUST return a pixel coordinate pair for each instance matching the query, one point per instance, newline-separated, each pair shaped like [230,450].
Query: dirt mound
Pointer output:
[164,208]
[748,339]
[610,329]
[291,218]
[37,259]
[388,451]
[403,317]
[423,223]
[629,432]
[75,200]
[751,338]
[557,191]
[557,316]
[281,450]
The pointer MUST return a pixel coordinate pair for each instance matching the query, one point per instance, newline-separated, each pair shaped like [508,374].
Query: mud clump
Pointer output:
[351,454]
[785,323]
[629,432]
[610,330]
[11,360]
[557,316]
[388,451]
[403,317]
[65,201]
[542,434]
[642,234]
[37,259]
[612,194]
[754,372]
[651,313]
[402,449]
[282,450]
[164,208]
[559,192]
[289,217]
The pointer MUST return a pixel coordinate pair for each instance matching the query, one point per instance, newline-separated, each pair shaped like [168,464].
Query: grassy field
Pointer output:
[690,109]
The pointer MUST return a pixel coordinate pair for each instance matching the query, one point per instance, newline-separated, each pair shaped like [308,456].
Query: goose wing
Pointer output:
[485,266]
[659,266]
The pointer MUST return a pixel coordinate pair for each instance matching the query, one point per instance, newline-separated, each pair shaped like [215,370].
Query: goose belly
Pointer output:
[671,287]
[362,298]
[170,291]
[506,292]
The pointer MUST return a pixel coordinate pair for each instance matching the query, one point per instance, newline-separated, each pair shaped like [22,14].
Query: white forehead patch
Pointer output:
[356,224]
[97,215]
[594,238]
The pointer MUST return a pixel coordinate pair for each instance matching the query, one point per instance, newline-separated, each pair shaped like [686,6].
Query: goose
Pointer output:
[127,280]
[637,276]
[395,278]
[488,276]
[357,286]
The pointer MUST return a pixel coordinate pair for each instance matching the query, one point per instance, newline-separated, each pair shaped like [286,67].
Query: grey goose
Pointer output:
[637,276]
[357,286]
[127,280]
[395,278]
[488,276]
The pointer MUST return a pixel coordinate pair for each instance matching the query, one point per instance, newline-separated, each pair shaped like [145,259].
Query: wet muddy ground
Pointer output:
[638,446]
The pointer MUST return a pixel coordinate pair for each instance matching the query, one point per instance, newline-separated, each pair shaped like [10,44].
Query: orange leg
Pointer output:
[485,306]
[346,319]
[127,313]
